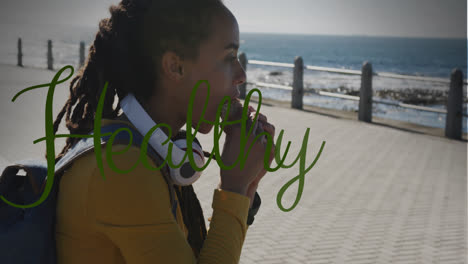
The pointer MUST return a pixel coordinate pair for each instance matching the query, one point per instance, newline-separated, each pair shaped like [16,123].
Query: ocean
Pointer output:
[409,56]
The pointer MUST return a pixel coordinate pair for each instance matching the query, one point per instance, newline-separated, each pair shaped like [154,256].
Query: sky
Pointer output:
[397,18]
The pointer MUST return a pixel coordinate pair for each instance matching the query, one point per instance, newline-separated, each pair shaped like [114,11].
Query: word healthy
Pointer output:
[218,127]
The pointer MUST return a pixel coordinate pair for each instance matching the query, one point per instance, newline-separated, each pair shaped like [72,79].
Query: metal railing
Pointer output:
[354,72]
[454,111]
[353,98]
[50,58]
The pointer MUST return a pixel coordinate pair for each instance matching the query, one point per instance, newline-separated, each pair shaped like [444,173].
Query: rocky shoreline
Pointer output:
[408,96]
[414,96]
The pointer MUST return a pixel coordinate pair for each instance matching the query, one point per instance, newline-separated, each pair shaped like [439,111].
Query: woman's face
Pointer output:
[218,64]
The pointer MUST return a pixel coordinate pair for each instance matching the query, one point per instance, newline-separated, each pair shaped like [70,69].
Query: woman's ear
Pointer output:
[172,66]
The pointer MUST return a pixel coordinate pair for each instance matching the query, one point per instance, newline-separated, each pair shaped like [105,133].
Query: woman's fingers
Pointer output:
[261,117]
[270,129]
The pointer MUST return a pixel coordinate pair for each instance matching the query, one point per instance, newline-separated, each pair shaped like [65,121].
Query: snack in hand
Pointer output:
[235,110]
[235,113]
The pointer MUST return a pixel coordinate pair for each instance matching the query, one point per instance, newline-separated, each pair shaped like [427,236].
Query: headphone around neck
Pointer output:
[183,175]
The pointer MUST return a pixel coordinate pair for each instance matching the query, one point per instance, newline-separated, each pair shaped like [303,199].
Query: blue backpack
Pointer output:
[27,236]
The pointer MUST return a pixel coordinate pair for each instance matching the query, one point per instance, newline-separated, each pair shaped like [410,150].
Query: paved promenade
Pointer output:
[376,194]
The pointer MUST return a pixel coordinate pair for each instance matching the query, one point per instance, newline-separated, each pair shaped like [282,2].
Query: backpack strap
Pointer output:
[87,144]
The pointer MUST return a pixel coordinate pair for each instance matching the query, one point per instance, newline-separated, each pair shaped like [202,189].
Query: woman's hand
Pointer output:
[254,185]
[244,180]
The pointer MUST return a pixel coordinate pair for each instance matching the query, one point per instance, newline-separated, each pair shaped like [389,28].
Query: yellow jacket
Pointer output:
[127,218]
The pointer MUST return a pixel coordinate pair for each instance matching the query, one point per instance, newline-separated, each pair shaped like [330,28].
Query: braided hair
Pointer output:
[126,53]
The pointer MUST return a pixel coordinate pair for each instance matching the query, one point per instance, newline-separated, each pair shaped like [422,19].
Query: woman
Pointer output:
[156,50]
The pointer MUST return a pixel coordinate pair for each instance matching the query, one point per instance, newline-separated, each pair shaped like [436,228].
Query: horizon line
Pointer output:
[269,32]
[353,35]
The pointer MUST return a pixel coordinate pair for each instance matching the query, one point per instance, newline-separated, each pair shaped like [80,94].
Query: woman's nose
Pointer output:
[240,76]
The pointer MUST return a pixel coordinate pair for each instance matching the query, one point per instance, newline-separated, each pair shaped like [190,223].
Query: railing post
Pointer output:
[20,53]
[365,101]
[454,119]
[50,59]
[243,62]
[82,53]
[298,83]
